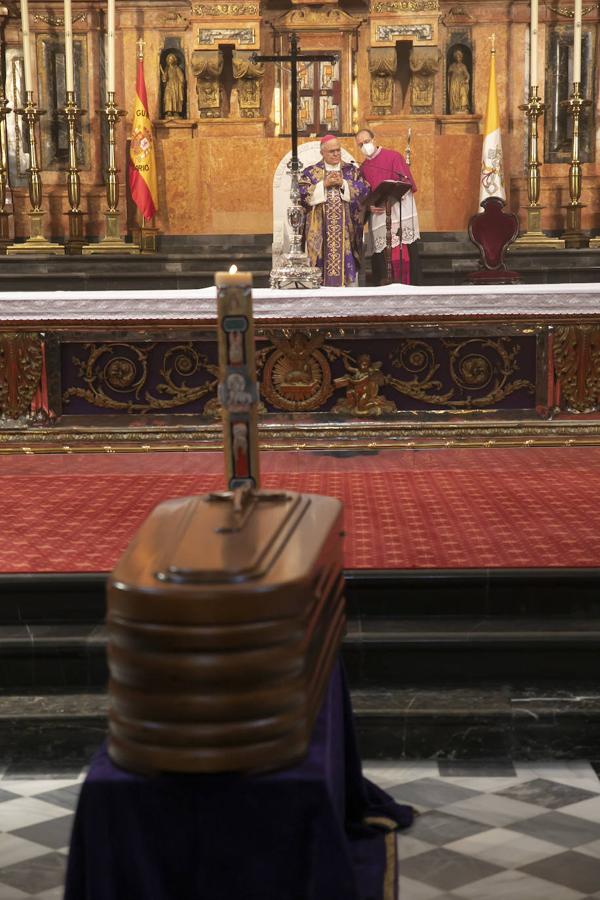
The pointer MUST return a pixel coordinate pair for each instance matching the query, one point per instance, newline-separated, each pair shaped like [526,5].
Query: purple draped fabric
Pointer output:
[297,834]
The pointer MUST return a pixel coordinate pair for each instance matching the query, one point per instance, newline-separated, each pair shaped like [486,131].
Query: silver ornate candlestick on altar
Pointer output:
[112,242]
[296,270]
[36,242]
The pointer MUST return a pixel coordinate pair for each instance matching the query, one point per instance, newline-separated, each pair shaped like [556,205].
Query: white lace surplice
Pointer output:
[375,237]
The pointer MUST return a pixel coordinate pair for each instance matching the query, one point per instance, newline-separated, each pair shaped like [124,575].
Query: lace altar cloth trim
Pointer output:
[338,304]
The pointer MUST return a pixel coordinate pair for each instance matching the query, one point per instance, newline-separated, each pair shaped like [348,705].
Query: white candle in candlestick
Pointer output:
[69,72]
[26,45]
[110,61]
[577,44]
[533,49]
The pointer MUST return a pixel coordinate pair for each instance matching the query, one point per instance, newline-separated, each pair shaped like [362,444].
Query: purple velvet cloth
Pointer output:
[297,834]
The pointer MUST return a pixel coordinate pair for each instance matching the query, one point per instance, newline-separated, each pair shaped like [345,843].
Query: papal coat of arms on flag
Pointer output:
[142,166]
[492,162]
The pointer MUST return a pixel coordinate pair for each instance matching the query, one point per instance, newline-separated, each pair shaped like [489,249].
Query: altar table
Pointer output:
[338,367]
[302,833]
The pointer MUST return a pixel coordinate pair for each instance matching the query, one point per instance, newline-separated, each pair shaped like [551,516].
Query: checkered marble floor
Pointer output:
[485,831]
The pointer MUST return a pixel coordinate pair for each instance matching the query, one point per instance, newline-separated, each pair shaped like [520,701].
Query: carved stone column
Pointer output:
[207,66]
[382,66]
[248,76]
[424,64]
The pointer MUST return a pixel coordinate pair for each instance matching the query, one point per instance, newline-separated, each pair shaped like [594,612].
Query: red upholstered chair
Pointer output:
[492,231]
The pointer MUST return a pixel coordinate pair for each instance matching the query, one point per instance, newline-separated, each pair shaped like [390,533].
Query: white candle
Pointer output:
[533,48]
[110,61]
[69,46]
[577,44]
[26,45]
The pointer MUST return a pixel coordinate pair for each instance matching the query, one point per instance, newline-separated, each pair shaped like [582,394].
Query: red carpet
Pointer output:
[404,509]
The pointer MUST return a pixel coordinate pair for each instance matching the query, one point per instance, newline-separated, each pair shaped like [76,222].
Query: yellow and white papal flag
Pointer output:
[492,162]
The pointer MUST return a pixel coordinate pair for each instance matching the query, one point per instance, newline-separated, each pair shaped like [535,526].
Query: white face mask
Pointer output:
[368,149]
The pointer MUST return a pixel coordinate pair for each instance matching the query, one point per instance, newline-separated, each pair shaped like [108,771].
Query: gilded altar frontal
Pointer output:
[414,71]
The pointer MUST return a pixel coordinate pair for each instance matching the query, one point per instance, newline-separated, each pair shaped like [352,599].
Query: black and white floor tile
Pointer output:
[485,831]
[524,831]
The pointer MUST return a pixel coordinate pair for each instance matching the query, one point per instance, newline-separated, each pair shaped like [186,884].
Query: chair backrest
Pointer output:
[493,231]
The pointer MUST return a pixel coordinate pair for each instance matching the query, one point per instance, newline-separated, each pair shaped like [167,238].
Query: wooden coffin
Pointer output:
[223,629]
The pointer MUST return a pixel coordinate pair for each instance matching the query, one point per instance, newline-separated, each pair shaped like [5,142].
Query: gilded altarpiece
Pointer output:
[228,82]
[404,56]
[326,91]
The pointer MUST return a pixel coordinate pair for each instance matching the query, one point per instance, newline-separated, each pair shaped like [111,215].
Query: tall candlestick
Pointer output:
[26,45]
[69,46]
[110,60]
[577,44]
[533,49]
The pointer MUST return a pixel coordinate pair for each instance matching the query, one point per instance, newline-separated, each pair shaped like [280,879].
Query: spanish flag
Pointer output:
[492,163]
[142,166]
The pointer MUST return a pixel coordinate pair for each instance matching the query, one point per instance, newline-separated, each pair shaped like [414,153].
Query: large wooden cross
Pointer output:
[294,57]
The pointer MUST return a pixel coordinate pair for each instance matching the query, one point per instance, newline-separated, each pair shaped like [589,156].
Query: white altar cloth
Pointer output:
[392,302]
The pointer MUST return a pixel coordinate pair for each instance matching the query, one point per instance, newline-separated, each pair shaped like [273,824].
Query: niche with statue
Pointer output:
[459,79]
[173,86]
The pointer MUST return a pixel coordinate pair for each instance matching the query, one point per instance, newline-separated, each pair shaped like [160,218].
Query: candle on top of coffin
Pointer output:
[533,42]
[110,48]
[26,45]
[69,72]
[238,389]
[577,43]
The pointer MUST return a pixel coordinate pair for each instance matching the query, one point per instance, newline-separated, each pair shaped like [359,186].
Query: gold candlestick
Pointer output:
[75,242]
[5,238]
[36,242]
[112,242]
[573,235]
[533,236]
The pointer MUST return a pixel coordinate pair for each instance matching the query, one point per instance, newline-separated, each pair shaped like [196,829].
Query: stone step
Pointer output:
[444,722]
[73,598]
[377,652]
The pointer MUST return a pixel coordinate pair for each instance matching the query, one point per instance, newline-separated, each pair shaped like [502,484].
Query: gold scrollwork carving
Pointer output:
[58,21]
[120,368]
[576,351]
[476,364]
[296,374]
[397,6]
[21,356]
[226,9]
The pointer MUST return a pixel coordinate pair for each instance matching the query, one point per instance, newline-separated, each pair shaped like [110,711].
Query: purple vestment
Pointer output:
[333,229]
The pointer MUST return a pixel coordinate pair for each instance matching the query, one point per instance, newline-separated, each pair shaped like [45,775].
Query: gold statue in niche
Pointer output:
[459,80]
[173,93]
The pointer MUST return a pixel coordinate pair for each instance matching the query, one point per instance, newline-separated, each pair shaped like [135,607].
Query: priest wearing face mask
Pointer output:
[332,193]
[388,165]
